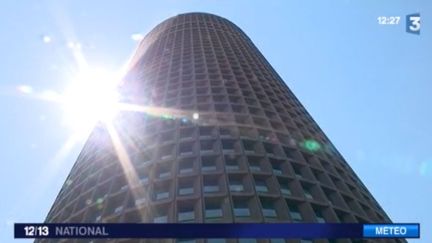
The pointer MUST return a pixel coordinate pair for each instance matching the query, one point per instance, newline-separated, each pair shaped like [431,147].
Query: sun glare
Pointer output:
[91,97]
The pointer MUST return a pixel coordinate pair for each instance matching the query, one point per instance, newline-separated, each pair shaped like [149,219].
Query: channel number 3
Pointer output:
[413,23]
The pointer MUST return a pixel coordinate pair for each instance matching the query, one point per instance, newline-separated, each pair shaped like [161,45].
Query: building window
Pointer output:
[161,215]
[144,179]
[249,146]
[269,148]
[164,172]
[186,133]
[118,210]
[268,208]
[216,241]
[228,145]
[307,193]
[277,241]
[140,201]
[221,108]
[186,213]
[202,91]
[238,108]
[211,185]
[227,131]
[241,208]
[207,145]
[244,120]
[319,216]
[213,210]
[284,187]
[208,163]
[142,158]
[186,166]
[166,152]
[277,168]
[160,219]
[161,192]
[186,148]
[167,136]
[247,241]
[261,185]
[236,185]
[281,137]
[295,213]
[206,131]
[297,171]
[186,240]
[162,195]
[186,187]
[254,164]
[231,163]
[306,241]
[203,99]
[290,153]
[248,133]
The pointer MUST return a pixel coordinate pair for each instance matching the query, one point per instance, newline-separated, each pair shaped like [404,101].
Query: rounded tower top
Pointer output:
[191,21]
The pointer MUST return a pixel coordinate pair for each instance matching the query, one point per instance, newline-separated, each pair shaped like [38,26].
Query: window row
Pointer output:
[216,184]
[209,209]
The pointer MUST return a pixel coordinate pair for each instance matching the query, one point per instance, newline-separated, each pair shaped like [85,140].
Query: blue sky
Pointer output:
[367,85]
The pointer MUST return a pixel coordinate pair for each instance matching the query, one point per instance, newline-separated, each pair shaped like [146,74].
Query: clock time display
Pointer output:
[391,20]
[31,230]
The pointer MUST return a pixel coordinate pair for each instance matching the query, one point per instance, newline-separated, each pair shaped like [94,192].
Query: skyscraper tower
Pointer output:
[219,137]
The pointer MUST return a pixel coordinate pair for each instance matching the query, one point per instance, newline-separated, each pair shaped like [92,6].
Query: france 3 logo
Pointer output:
[413,23]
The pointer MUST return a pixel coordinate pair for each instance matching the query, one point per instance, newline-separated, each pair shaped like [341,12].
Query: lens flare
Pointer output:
[91,97]
[195,116]
[311,145]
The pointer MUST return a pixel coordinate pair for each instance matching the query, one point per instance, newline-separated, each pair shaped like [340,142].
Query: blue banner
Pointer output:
[239,230]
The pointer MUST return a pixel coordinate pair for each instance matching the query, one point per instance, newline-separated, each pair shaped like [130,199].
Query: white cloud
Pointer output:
[74,45]
[46,39]
[26,89]
[137,37]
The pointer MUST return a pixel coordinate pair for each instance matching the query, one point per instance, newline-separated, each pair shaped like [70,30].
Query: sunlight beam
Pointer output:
[126,164]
